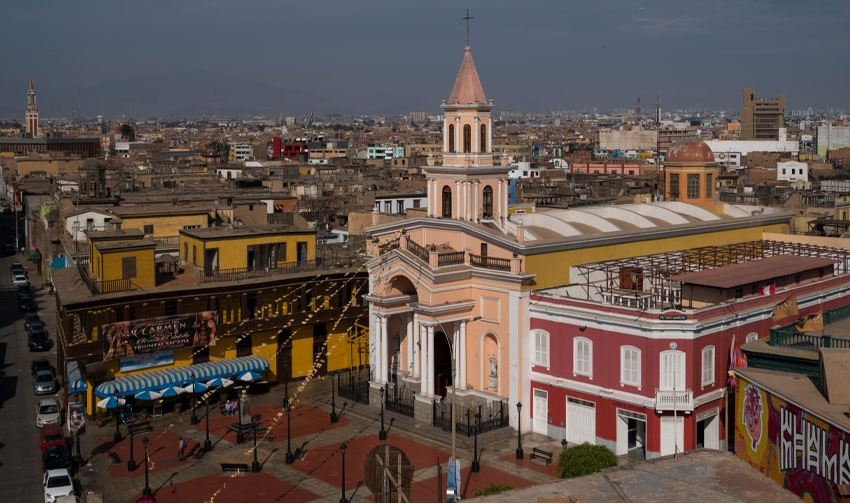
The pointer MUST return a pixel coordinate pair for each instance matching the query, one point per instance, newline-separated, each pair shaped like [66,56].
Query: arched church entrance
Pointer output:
[442,363]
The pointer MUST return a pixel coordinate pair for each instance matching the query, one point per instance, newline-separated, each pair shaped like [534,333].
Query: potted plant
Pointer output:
[99,417]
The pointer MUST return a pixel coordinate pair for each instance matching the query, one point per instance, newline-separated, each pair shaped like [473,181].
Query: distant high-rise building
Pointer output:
[761,118]
[418,117]
[32,113]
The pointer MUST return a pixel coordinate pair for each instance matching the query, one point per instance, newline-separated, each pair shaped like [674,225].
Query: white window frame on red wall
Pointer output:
[630,366]
[540,349]
[708,365]
[582,356]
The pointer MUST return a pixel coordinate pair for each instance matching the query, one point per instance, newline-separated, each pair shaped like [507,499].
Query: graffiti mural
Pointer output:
[800,451]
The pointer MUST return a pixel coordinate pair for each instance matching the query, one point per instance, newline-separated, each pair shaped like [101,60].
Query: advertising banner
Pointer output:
[124,339]
[144,361]
[76,417]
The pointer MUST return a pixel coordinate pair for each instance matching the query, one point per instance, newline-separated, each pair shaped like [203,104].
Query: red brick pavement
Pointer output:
[162,451]
[306,420]
[325,462]
[258,487]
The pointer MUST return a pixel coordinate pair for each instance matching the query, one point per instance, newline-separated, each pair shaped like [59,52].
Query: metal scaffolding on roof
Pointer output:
[643,281]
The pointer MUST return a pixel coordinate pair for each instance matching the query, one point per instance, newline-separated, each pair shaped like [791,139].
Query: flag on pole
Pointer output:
[736,360]
[767,290]
[811,322]
[786,308]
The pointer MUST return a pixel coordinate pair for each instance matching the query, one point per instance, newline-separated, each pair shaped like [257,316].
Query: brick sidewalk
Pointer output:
[316,473]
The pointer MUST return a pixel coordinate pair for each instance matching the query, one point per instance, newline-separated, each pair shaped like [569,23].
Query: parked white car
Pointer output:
[58,485]
[48,412]
[19,280]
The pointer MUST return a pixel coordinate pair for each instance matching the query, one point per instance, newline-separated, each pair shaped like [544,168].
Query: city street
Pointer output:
[20,455]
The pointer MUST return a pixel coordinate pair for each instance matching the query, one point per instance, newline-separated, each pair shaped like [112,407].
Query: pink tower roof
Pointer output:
[467,89]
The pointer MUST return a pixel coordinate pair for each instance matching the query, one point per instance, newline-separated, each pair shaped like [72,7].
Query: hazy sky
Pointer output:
[249,57]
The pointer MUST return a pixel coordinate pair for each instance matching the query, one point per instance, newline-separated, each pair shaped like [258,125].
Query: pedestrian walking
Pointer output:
[181,453]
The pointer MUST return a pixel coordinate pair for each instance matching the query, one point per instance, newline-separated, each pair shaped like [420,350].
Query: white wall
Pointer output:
[792,170]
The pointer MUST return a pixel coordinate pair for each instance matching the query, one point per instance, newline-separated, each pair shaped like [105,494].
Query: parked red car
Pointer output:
[52,435]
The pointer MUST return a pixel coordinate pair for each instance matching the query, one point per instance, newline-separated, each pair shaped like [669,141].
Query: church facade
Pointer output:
[450,294]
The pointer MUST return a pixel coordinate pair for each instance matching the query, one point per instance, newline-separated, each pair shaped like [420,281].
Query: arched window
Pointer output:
[451,137]
[467,138]
[488,202]
[447,201]
[483,138]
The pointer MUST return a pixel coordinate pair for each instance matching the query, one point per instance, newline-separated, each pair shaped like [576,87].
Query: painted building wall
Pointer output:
[794,447]
[233,252]
[165,225]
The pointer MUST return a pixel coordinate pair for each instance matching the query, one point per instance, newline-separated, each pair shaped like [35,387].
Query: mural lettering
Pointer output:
[805,445]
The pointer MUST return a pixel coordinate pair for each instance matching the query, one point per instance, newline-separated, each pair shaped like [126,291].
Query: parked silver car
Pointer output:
[43,382]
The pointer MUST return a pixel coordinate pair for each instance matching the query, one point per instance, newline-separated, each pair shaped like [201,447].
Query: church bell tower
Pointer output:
[32,113]
[467,186]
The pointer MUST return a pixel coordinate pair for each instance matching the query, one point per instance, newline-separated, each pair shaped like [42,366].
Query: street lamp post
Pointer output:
[342,488]
[207,443]
[288,407]
[334,417]
[117,437]
[147,489]
[519,453]
[453,352]
[240,437]
[194,419]
[131,462]
[255,467]
[382,434]
[476,466]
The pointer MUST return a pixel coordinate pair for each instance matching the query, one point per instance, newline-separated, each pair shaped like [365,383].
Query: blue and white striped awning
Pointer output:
[177,376]
[78,385]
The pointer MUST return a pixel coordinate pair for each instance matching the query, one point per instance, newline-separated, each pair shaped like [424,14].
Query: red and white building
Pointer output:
[634,353]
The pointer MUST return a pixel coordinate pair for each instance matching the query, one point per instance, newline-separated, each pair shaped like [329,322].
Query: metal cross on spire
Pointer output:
[467,18]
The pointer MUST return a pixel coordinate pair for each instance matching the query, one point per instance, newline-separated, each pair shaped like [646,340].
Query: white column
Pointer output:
[477,137]
[456,353]
[476,189]
[490,134]
[497,212]
[384,349]
[433,197]
[423,362]
[377,361]
[445,136]
[458,146]
[466,202]
[456,195]
[462,347]
[429,368]
[408,338]
[417,343]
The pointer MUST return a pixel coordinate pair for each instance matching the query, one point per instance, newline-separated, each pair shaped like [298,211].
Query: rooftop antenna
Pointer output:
[467,18]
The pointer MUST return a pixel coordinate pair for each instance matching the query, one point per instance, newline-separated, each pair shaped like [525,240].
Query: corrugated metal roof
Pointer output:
[736,275]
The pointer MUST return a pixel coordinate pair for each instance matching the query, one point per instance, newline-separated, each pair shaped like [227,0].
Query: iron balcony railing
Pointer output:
[238,274]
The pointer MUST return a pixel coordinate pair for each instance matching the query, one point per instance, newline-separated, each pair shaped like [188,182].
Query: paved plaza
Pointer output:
[315,475]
